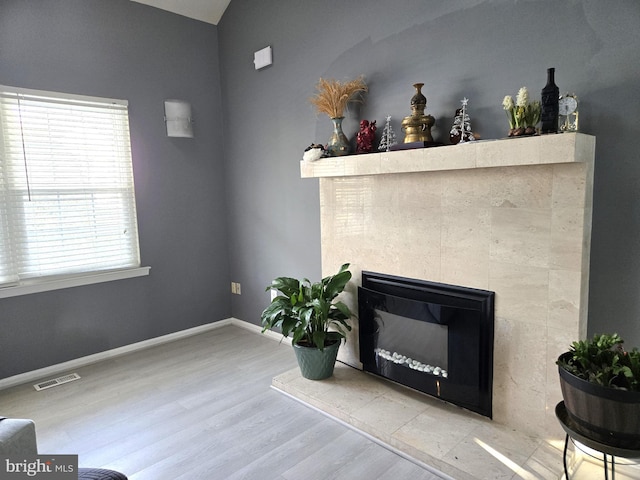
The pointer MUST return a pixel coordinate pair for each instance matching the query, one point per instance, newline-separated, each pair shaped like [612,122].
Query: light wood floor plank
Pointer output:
[200,408]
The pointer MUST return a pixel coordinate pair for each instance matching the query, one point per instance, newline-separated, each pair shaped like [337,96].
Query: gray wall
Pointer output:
[483,50]
[211,212]
[121,49]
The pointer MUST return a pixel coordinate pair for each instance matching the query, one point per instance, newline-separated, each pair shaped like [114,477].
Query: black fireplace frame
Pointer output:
[469,308]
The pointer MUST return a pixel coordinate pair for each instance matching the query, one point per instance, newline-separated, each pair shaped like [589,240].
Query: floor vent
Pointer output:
[54,382]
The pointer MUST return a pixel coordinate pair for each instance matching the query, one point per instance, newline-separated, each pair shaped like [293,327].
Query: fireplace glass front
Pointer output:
[432,337]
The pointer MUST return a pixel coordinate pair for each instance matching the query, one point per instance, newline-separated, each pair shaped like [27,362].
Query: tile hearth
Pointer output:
[458,443]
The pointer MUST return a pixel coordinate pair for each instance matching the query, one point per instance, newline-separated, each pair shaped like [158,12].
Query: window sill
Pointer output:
[37,286]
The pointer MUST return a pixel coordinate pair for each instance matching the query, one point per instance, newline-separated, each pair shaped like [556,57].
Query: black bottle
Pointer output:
[549,100]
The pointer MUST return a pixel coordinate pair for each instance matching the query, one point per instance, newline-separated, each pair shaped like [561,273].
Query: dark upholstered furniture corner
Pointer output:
[99,474]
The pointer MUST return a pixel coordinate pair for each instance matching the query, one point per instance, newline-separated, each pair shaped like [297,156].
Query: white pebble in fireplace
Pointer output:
[400,359]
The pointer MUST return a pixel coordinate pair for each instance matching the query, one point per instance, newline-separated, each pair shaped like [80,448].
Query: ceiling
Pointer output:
[209,11]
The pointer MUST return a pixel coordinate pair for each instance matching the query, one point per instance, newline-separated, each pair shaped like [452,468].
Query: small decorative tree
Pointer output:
[461,129]
[388,136]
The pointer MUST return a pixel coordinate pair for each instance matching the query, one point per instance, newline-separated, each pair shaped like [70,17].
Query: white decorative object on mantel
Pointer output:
[461,125]
[388,139]
[313,152]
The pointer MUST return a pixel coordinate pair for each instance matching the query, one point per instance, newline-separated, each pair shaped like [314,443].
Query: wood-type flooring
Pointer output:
[200,408]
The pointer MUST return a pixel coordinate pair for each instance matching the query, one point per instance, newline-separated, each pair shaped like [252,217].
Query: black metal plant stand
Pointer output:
[576,433]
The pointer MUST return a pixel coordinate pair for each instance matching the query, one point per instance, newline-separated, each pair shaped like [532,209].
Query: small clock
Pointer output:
[568,112]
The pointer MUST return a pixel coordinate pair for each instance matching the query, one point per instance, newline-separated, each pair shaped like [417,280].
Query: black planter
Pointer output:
[608,415]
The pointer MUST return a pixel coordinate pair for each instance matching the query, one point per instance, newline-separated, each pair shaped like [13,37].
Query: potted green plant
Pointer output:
[315,319]
[600,383]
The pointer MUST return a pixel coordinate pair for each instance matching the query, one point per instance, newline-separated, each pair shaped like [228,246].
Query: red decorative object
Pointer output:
[366,136]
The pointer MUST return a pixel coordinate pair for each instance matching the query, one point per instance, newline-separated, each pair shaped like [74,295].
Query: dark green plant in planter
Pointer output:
[600,384]
[604,361]
[311,315]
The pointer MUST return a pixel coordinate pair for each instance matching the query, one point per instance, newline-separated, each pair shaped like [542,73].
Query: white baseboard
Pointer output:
[258,329]
[60,368]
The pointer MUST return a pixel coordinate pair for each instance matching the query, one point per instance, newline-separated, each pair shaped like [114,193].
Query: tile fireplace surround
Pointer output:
[512,216]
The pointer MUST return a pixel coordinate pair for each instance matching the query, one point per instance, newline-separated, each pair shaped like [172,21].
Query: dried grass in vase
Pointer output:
[332,96]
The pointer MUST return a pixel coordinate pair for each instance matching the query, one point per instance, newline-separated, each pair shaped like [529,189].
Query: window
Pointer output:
[67,204]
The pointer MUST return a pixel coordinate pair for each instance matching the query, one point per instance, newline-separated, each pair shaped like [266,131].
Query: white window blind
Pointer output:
[67,200]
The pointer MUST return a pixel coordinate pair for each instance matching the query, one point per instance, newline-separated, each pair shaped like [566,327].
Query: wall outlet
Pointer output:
[238,291]
[235,288]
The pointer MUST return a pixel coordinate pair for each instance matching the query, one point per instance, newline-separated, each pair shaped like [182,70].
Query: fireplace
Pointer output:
[510,216]
[432,337]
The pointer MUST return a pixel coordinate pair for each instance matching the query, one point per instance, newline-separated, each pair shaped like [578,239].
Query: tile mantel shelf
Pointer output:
[535,150]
